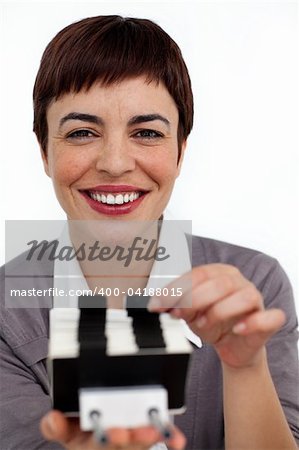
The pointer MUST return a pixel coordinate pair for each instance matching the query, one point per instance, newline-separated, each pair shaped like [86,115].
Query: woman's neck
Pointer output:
[115,261]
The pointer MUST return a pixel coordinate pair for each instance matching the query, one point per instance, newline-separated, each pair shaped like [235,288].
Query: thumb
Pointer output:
[55,427]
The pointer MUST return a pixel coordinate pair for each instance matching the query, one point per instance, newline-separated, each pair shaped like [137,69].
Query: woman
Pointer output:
[113,111]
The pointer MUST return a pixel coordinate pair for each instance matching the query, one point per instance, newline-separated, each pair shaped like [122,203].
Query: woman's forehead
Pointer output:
[128,97]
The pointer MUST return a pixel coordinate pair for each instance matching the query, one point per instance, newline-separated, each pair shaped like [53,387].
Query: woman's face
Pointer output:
[113,152]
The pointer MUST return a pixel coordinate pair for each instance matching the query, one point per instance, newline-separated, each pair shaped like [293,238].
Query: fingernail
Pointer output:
[239,327]
[153,303]
[176,313]
[201,321]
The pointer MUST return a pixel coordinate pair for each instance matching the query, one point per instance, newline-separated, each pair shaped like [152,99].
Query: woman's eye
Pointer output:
[148,134]
[81,135]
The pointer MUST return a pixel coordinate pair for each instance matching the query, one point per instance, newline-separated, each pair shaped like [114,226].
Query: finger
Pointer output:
[247,299]
[146,436]
[211,292]
[188,284]
[208,294]
[56,427]
[177,292]
[263,324]
[177,440]
[118,437]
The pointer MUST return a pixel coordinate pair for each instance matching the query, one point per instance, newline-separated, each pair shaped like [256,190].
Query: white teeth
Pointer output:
[110,199]
[118,199]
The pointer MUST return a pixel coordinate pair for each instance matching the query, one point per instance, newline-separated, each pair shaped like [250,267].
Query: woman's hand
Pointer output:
[56,427]
[224,309]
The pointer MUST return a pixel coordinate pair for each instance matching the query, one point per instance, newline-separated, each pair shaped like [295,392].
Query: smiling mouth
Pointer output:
[115,199]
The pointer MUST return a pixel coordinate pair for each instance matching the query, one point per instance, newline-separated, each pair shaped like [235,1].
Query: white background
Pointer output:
[240,177]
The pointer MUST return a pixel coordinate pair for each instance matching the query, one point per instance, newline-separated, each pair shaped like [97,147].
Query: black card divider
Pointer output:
[146,325]
[91,334]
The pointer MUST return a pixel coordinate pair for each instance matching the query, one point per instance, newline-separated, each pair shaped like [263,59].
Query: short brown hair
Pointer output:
[109,49]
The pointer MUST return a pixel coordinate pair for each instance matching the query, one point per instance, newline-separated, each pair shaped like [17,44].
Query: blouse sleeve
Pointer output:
[282,350]
[23,402]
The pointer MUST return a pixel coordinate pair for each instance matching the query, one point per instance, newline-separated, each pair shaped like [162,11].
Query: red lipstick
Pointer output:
[116,209]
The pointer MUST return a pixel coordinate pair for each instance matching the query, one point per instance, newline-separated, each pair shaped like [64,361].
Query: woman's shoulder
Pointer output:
[208,251]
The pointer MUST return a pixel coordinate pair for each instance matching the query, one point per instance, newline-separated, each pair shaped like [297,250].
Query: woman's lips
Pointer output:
[117,201]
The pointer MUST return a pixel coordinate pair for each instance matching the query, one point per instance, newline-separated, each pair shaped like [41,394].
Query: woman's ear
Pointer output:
[181,158]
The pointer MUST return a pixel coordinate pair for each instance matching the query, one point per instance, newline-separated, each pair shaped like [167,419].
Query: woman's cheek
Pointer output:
[68,168]
[163,166]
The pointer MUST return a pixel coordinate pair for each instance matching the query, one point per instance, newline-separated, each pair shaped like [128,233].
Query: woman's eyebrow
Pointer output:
[81,116]
[148,118]
[84,117]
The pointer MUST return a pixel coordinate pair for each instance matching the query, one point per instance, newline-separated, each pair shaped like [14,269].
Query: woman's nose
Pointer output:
[115,158]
